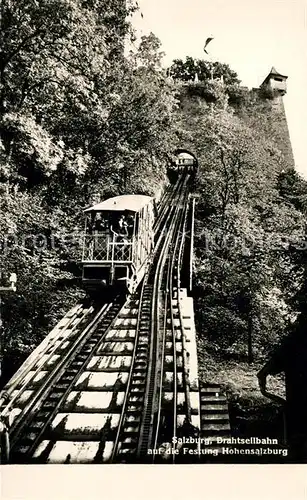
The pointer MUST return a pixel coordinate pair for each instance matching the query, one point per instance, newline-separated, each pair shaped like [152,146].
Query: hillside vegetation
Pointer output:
[249,240]
[81,122]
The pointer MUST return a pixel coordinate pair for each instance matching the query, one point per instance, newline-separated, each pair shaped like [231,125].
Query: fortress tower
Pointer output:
[275,82]
[271,93]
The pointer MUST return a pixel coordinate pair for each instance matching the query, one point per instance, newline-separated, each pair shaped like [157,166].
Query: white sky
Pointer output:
[249,35]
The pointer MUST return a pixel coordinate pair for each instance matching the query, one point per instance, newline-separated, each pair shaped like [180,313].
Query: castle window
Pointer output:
[278,79]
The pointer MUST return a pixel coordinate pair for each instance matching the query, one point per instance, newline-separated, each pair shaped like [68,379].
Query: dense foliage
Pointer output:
[203,70]
[250,244]
[79,122]
[201,78]
[250,216]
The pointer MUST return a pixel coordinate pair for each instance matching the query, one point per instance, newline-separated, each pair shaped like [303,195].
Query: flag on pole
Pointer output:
[207,41]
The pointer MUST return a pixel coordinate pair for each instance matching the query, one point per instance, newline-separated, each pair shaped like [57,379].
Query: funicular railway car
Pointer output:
[118,241]
[184,161]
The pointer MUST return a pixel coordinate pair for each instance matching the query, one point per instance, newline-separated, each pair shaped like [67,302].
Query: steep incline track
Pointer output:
[142,405]
[116,362]
[58,385]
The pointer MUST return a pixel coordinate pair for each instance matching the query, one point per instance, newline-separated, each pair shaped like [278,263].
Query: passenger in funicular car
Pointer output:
[97,224]
[130,224]
[97,229]
[100,224]
[122,228]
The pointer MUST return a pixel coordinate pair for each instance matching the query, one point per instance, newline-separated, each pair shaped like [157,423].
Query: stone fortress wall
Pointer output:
[270,95]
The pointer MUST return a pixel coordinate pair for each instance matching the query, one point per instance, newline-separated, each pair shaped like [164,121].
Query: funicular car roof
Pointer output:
[131,202]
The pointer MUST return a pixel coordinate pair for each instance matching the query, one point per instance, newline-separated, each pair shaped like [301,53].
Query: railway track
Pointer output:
[165,273]
[142,418]
[172,335]
[28,378]
[169,198]
[26,435]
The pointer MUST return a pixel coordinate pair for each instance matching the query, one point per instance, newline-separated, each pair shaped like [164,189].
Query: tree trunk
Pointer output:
[250,353]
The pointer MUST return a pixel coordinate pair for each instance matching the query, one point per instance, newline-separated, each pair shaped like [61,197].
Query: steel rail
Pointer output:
[146,426]
[137,365]
[45,391]
[164,204]
[20,420]
[32,405]
[186,382]
[163,342]
[175,283]
[175,374]
[32,359]
[168,306]
[162,216]
[34,362]
[122,416]
[167,194]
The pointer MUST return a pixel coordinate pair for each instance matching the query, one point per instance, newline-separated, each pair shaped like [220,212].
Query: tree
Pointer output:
[186,71]
[244,230]
[79,122]
[149,54]
[293,188]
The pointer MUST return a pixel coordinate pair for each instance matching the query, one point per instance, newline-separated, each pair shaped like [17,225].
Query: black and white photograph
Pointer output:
[153,232]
